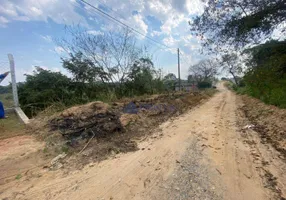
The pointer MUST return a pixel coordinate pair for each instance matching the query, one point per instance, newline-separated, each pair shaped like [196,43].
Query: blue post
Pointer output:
[2,111]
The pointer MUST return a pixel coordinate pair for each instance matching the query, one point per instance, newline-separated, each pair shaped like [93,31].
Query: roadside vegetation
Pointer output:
[265,77]
[104,67]
[6,95]
[249,39]
[101,67]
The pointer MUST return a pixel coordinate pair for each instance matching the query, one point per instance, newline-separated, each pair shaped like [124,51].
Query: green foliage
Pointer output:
[204,85]
[65,149]
[7,100]
[83,69]
[18,177]
[143,79]
[229,23]
[42,89]
[266,77]
[6,89]
[46,89]
[170,81]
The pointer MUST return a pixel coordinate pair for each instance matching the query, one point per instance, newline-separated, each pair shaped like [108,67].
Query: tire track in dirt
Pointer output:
[269,163]
[232,156]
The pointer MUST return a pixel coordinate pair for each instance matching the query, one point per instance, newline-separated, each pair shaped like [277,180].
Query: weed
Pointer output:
[45,150]
[65,149]
[18,177]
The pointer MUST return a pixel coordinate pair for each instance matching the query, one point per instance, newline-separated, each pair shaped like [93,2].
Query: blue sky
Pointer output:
[28,29]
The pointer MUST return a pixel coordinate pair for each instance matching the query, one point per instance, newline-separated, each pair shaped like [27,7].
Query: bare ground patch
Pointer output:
[269,121]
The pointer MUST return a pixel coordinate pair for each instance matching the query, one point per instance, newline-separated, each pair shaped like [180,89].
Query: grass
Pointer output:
[18,177]
[11,126]
[271,95]
[7,100]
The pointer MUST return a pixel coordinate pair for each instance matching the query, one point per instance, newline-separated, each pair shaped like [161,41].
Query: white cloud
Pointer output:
[138,23]
[47,38]
[8,10]
[60,11]
[172,14]
[94,32]
[172,22]
[3,21]
[37,61]
[279,32]
[156,33]
[170,41]
[59,50]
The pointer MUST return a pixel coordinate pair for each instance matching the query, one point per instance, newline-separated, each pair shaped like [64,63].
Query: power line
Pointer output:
[121,23]
[126,22]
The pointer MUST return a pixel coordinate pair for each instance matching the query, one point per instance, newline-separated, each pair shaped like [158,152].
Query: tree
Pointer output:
[83,69]
[170,77]
[266,75]
[141,76]
[6,89]
[42,89]
[112,53]
[271,53]
[232,65]
[191,79]
[237,23]
[170,81]
[203,71]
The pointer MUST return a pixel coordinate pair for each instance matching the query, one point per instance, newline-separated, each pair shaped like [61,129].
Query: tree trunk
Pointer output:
[234,77]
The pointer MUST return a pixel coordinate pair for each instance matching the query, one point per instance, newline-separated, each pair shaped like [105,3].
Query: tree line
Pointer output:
[112,65]
[105,67]
[102,67]
[241,34]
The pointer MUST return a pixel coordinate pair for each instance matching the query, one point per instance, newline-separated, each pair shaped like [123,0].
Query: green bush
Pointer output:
[45,88]
[204,84]
[266,77]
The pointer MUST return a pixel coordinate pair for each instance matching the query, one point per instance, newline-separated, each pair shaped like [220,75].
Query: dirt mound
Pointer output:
[95,131]
[269,121]
[127,119]
[93,118]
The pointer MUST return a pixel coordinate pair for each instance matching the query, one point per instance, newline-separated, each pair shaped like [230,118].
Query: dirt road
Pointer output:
[203,154]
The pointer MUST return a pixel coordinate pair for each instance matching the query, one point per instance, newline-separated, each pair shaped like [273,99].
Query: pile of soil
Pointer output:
[114,128]
[85,120]
[269,121]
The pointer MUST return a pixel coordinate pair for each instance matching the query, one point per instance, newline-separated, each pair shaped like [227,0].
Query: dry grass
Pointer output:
[11,126]
[7,100]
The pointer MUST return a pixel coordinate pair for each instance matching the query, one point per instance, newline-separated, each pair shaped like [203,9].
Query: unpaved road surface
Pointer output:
[203,154]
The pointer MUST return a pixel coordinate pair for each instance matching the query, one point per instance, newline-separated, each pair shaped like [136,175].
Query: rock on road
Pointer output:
[203,154]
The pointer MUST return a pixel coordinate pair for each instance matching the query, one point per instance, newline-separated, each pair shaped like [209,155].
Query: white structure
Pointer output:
[16,107]
[13,79]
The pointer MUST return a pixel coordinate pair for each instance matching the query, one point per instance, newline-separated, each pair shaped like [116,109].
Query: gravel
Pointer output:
[194,178]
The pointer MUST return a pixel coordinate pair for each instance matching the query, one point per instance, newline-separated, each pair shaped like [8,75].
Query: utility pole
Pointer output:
[179,70]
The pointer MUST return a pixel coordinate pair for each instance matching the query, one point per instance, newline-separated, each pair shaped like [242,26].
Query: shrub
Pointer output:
[204,84]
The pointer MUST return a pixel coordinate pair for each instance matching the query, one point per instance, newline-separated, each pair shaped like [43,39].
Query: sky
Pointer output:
[28,29]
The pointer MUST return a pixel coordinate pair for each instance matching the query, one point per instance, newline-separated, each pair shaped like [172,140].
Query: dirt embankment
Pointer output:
[97,130]
[269,121]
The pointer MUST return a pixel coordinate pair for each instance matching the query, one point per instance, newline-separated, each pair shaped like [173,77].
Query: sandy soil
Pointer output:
[203,154]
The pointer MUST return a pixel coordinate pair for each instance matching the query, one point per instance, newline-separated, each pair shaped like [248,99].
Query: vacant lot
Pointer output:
[212,151]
